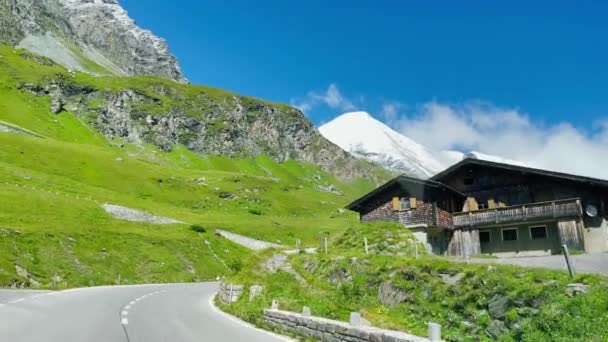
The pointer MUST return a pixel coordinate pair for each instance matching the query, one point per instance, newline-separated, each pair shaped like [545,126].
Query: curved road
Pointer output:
[138,313]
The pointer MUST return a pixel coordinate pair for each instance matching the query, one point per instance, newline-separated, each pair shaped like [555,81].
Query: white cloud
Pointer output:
[511,134]
[391,110]
[332,97]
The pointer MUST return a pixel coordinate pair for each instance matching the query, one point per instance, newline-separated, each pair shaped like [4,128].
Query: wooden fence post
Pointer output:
[568,261]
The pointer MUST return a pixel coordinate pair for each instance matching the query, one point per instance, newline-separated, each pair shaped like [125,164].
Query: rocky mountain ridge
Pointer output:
[205,120]
[94,36]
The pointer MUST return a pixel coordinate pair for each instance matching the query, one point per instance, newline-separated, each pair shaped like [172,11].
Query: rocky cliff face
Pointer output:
[205,120]
[95,36]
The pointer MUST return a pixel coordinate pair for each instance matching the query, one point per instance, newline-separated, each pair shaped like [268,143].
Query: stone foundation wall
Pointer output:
[328,330]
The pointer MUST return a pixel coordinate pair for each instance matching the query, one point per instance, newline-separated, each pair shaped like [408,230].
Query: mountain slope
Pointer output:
[166,114]
[94,36]
[365,137]
[72,142]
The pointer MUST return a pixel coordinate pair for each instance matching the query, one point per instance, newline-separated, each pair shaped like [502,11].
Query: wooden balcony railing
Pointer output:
[519,213]
[427,214]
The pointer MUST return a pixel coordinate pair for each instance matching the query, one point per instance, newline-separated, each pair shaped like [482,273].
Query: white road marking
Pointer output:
[125,312]
[243,323]
[132,302]
[124,321]
[127,307]
[17,300]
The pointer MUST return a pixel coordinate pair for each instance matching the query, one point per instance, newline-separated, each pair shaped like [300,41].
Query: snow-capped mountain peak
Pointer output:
[365,137]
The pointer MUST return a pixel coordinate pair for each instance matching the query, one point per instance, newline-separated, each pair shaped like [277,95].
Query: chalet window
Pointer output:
[509,234]
[405,203]
[538,232]
[485,236]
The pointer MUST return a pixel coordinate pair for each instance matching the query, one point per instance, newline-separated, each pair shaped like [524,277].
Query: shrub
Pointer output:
[255,212]
[198,228]
[235,265]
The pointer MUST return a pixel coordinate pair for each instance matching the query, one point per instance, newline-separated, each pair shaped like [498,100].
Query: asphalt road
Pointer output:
[139,313]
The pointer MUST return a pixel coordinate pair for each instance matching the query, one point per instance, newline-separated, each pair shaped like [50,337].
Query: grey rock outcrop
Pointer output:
[255,291]
[229,125]
[280,262]
[576,288]
[496,329]
[498,306]
[452,279]
[70,31]
[390,295]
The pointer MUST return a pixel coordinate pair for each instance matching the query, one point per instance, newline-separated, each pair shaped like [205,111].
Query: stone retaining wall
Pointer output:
[328,330]
[230,293]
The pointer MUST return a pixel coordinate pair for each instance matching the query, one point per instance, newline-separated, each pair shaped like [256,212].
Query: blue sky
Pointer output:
[475,73]
[550,60]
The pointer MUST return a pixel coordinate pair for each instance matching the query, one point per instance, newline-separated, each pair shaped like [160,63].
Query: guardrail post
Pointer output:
[434,332]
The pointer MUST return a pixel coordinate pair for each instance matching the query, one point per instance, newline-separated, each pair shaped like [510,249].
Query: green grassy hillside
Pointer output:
[532,303]
[52,186]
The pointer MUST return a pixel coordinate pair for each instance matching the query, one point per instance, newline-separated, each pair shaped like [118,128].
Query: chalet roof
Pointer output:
[402,179]
[560,175]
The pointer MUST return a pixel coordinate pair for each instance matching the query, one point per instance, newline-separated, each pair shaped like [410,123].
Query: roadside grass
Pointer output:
[52,191]
[538,308]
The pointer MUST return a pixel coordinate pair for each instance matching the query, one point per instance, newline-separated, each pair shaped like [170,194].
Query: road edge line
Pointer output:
[242,322]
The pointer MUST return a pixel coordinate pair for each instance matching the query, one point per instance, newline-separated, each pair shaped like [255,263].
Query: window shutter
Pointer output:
[472,204]
[491,203]
[396,203]
[413,202]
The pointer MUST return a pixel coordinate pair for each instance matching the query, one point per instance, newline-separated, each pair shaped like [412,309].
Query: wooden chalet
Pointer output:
[482,207]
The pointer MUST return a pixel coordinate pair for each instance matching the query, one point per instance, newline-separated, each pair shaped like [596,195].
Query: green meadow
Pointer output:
[54,182]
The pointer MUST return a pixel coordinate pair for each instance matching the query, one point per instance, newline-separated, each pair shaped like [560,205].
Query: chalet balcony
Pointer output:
[519,213]
[426,215]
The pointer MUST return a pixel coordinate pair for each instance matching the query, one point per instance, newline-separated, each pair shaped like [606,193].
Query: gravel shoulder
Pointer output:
[134,215]
[585,263]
